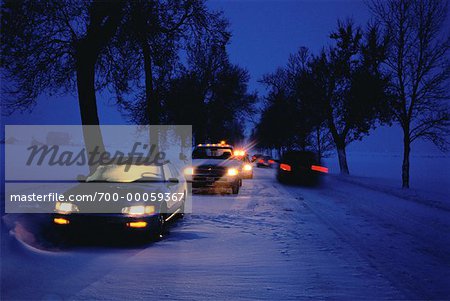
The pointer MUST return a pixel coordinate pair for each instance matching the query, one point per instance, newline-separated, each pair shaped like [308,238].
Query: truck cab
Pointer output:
[214,166]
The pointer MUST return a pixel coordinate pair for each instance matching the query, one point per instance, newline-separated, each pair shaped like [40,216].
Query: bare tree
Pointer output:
[344,87]
[154,36]
[321,141]
[55,46]
[419,65]
[211,94]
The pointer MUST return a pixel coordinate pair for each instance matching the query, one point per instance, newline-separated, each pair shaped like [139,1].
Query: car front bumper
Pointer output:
[247,174]
[106,221]
[213,182]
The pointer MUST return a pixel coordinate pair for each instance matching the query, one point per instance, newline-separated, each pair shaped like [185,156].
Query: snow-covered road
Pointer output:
[339,241]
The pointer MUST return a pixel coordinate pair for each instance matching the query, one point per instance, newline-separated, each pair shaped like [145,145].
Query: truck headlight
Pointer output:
[232,172]
[65,208]
[239,153]
[189,171]
[139,210]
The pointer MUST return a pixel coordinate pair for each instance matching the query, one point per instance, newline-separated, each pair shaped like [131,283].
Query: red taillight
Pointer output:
[319,168]
[260,161]
[285,167]
[271,161]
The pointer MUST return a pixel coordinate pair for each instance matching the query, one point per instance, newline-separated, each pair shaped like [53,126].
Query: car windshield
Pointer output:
[126,173]
[212,153]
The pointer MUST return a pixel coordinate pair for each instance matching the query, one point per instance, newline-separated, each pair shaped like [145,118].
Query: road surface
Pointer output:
[338,241]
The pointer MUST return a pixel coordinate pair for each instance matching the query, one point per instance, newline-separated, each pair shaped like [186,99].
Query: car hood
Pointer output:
[119,194]
[216,162]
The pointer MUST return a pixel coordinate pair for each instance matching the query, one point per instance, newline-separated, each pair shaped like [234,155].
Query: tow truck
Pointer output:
[215,166]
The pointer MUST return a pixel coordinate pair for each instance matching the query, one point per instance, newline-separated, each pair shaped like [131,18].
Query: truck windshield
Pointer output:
[212,153]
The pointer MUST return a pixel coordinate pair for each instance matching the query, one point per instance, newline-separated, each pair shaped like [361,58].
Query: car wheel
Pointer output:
[240,182]
[281,178]
[160,227]
[235,189]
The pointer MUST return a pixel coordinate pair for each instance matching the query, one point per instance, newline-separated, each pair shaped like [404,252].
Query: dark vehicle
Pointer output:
[214,166]
[301,167]
[124,197]
[265,161]
[256,157]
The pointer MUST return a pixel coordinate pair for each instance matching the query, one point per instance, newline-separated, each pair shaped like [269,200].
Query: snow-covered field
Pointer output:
[429,172]
[352,238]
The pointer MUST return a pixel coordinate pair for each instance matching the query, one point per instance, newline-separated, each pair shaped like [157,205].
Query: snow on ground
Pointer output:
[347,239]
[405,240]
[429,173]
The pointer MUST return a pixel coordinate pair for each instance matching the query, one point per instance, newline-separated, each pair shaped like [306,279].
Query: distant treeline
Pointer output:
[166,62]
[395,69]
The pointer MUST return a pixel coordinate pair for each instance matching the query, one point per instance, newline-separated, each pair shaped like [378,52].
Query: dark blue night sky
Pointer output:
[266,32]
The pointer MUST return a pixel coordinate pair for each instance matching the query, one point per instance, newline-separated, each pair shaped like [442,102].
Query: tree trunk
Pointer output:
[405,164]
[88,107]
[342,156]
[319,148]
[149,90]
[339,141]
[104,20]
[151,101]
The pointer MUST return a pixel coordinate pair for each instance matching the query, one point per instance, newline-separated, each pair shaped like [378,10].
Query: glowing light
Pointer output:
[61,221]
[239,153]
[285,167]
[232,172]
[64,207]
[136,210]
[139,210]
[222,142]
[271,161]
[319,168]
[137,224]
[189,171]
[247,167]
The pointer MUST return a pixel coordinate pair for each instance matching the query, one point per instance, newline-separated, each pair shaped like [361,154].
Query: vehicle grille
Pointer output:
[209,172]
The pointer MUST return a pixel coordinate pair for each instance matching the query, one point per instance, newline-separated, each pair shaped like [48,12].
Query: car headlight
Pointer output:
[139,210]
[189,171]
[247,167]
[239,153]
[65,208]
[232,172]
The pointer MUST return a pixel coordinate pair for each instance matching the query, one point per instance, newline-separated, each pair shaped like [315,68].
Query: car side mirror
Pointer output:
[172,182]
